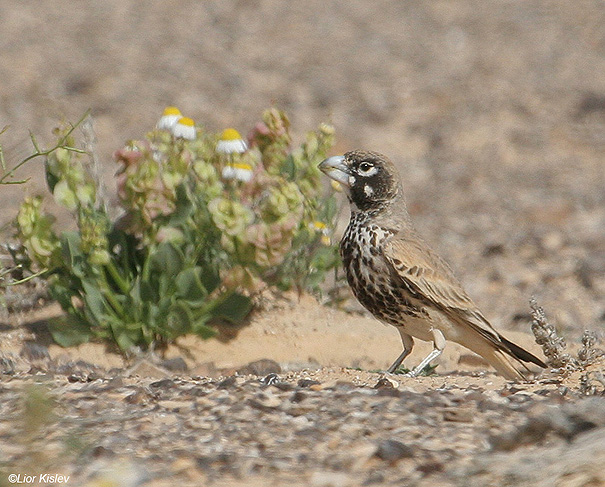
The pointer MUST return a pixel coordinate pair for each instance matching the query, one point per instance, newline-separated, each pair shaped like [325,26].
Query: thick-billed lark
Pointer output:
[400,280]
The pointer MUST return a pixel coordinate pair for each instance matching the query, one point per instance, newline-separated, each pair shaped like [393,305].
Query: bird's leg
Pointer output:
[408,344]
[439,345]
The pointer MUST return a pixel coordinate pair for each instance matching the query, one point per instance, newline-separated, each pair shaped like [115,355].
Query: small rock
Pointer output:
[139,396]
[494,248]
[260,367]
[79,368]
[374,478]
[144,368]
[323,385]
[206,369]
[565,421]
[298,411]
[270,379]
[389,392]
[384,383]
[176,364]
[101,451]
[175,406]
[7,365]
[33,351]
[393,450]
[345,385]
[265,402]
[227,383]
[298,396]
[330,479]
[117,472]
[162,384]
[430,467]
[459,415]
[114,383]
[307,383]
[283,386]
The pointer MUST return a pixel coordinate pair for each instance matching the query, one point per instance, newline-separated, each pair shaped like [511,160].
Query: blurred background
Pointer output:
[493,110]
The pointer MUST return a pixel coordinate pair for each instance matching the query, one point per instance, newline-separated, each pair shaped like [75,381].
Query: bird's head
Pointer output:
[369,179]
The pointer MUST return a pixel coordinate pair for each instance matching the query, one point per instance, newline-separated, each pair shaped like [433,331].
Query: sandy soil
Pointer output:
[296,332]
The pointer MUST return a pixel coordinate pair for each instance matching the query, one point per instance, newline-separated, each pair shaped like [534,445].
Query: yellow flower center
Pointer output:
[187,122]
[319,225]
[171,111]
[241,165]
[230,134]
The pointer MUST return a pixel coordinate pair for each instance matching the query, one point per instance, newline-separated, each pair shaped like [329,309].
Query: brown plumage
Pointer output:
[399,279]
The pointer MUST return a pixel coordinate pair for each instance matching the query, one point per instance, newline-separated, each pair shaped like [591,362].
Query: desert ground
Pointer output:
[494,113]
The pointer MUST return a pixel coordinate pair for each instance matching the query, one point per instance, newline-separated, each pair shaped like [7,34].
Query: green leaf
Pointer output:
[126,339]
[179,321]
[61,292]
[166,259]
[72,253]
[189,286]
[209,276]
[125,248]
[94,301]
[69,330]
[184,206]
[201,329]
[288,168]
[143,291]
[233,309]
[51,179]
[154,315]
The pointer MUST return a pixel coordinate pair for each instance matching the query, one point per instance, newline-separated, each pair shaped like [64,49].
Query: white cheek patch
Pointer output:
[351,180]
[367,189]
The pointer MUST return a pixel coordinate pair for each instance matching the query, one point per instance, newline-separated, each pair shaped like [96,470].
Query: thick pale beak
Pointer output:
[335,168]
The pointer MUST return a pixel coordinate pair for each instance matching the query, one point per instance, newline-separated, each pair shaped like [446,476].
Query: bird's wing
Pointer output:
[430,279]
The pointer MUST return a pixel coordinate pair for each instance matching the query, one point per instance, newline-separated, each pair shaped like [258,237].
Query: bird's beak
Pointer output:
[335,168]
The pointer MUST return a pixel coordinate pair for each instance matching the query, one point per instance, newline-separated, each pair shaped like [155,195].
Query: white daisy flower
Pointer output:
[238,170]
[184,129]
[169,118]
[231,141]
[322,228]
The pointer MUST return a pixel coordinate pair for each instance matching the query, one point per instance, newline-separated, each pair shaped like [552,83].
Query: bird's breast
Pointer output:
[369,274]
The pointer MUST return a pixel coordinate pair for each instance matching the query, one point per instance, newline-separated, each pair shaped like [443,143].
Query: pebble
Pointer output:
[337,431]
[392,450]
[330,479]
[176,364]
[307,382]
[459,415]
[261,367]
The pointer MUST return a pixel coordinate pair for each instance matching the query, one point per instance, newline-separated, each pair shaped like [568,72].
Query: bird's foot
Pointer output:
[422,367]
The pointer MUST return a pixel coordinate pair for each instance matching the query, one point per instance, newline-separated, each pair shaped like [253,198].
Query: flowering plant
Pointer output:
[208,222]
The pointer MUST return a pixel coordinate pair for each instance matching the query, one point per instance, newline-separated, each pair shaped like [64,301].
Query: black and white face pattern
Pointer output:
[371,179]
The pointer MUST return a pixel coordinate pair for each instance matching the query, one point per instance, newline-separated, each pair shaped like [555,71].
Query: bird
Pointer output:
[400,280]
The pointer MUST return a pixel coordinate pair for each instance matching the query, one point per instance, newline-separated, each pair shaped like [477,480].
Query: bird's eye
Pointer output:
[366,168]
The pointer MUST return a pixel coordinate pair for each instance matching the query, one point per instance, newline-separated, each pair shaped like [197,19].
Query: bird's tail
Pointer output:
[520,353]
[508,359]
[505,364]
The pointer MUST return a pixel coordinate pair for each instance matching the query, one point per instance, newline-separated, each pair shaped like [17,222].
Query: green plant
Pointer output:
[207,223]
[7,177]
